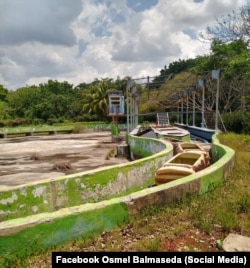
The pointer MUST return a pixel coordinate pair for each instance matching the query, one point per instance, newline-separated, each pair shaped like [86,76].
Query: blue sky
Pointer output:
[83,40]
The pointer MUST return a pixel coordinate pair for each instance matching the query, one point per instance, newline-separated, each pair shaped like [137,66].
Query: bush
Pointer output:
[237,122]
[37,121]
[246,129]
[18,122]
[3,123]
[52,121]
[78,129]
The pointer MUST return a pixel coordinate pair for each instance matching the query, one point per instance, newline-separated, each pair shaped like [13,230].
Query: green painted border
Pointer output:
[50,229]
[50,195]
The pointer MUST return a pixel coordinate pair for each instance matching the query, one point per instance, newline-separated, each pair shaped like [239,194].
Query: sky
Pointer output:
[79,41]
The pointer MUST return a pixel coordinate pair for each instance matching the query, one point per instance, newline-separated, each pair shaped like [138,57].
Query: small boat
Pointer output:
[202,133]
[188,146]
[171,132]
[168,132]
[180,147]
[181,165]
[162,129]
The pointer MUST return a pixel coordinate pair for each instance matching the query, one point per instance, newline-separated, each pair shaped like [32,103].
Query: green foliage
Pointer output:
[95,99]
[3,94]
[242,203]
[152,245]
[237,122]
[226,219]
[163,97]
[50,101]
[18,122]
[114,130]
[78,129]
[167,73]
[110,154]
[3,110]
[232,57]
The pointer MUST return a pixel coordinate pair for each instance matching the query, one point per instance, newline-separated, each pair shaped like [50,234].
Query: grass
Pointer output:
[71,127]
[212,215]
[111,153]
[74,128]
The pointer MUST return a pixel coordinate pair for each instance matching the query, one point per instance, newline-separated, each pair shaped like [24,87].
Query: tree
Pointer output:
[3,102]
[167,73]
[232,61]
[3,93]
[96,100]
[58,98]
[231,27]
[22,100]
[230,36]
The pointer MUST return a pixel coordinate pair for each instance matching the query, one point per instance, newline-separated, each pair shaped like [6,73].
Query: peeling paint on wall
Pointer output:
[9,199]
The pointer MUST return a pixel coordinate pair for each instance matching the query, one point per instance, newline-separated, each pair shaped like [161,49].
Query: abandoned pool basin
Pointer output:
[51,212]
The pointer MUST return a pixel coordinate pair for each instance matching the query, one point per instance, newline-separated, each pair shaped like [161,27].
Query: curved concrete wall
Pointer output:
[86,187]
[51,228]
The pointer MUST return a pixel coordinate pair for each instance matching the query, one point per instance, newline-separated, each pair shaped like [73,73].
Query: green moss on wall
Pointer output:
[211,180]
[217,152]
[145,146]
[61,230]
[133,189]
[102,177]
[24,201]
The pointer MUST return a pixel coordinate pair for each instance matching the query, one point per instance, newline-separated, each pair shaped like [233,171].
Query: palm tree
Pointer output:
[96,101]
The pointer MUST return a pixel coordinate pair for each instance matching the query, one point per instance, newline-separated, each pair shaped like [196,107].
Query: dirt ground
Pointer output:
[31,158]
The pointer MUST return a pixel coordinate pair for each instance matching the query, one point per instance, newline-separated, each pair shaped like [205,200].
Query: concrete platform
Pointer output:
[26,159]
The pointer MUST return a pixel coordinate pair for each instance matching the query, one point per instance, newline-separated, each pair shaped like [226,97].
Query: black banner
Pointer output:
[182,259]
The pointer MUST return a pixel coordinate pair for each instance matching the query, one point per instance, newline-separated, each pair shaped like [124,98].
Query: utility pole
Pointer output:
[201,83]
[216,75]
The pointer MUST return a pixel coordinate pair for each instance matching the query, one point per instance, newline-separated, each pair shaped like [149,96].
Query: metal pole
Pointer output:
[193,108]
[216,75]
[201,83]
[203,104]
[178,113]
[127,92]
[217,104]
[182,110]
[136,113]
[131,111]
[187,110]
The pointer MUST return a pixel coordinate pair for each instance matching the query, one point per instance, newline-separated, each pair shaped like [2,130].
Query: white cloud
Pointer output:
[81,40]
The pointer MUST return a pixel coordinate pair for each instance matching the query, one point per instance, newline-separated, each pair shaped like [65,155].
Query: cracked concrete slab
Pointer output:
[32,158]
